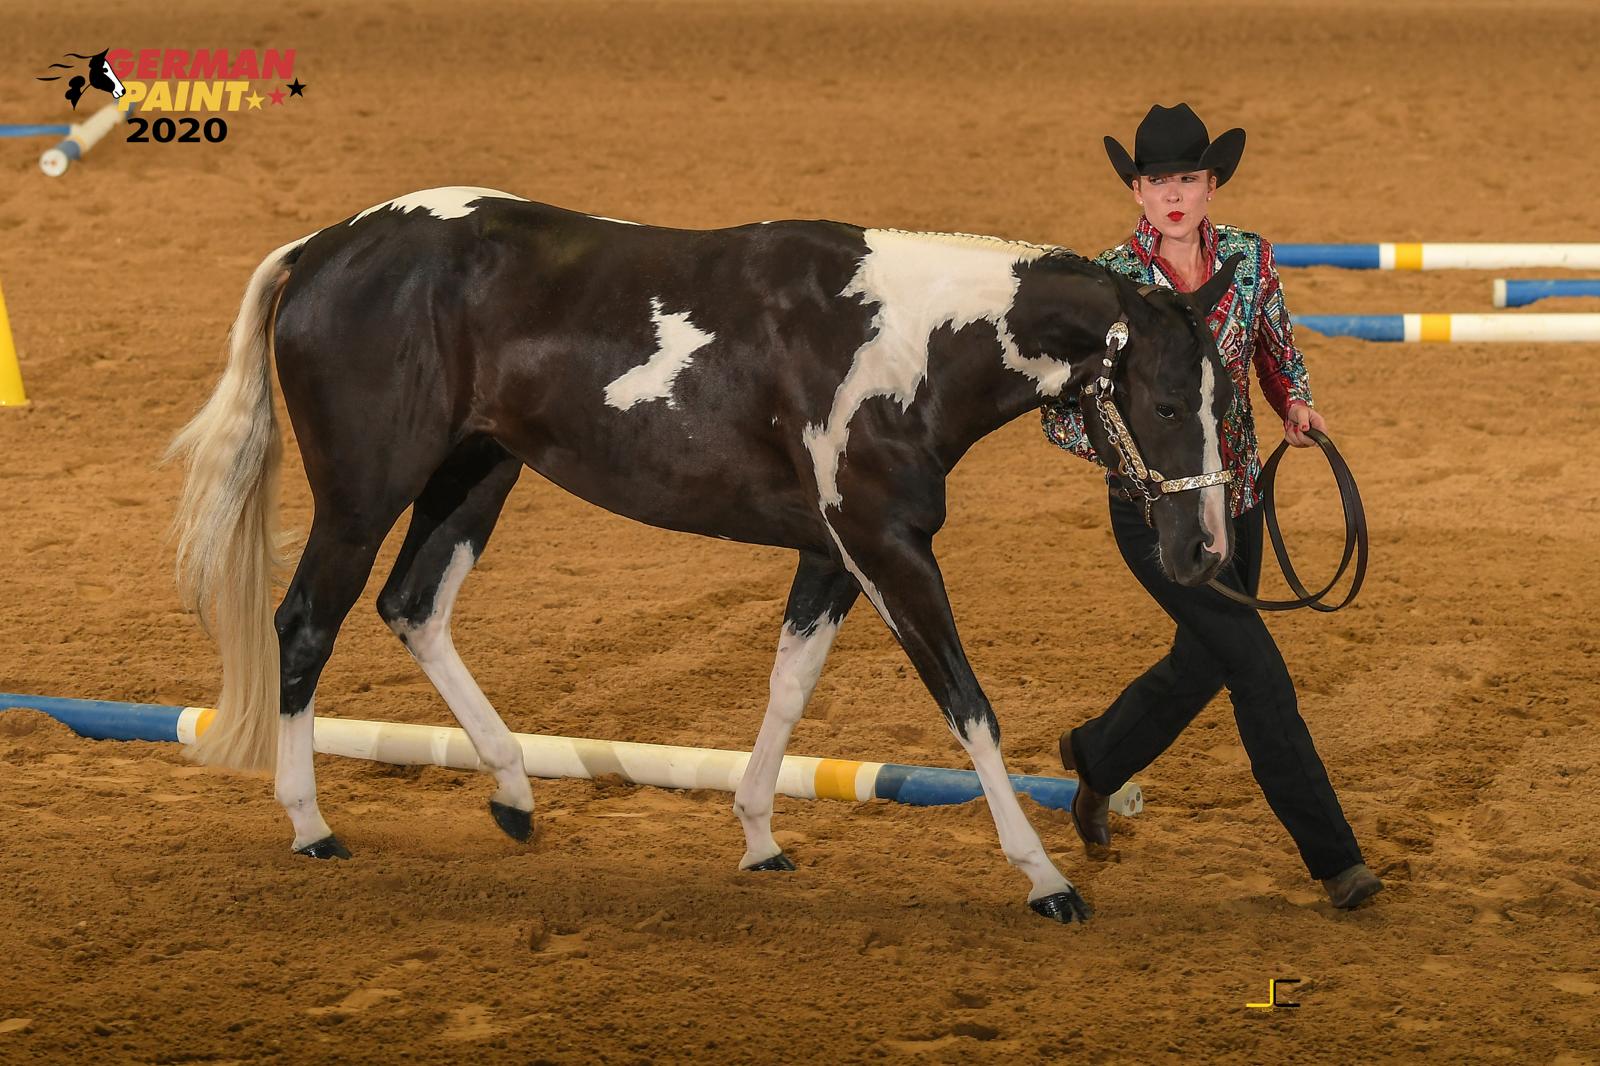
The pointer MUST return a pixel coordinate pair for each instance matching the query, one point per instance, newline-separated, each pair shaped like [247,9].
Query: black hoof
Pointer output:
[326,848]
[779,861]
[1064,907]
[518,825]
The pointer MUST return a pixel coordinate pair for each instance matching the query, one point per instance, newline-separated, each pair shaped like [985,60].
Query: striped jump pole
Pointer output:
[82,136]
[1513,292]
[661,765]
[13,129]
[1457,328]
[1439,256]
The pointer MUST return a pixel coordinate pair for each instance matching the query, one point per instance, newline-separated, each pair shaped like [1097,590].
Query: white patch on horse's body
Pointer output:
[294,780]
[919,282]
[454,201]
[677,339]
[618,221]
[431,645]
[1018,839]
[1213,498]
[794,675]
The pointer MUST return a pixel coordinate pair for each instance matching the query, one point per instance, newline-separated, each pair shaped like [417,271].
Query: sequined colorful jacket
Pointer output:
[1251,325]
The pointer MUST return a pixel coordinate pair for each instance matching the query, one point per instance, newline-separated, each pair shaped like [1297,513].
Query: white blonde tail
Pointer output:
[226,526]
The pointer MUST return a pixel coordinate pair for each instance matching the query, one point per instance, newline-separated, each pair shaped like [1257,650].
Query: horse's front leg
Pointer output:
[896,569]
[818,601]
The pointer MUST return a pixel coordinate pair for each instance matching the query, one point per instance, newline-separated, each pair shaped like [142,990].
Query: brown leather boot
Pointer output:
[1348,889]
[1091,811]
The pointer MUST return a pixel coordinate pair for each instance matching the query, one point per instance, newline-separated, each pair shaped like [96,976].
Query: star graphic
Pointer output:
[254,101]
[296,88]
[277,96]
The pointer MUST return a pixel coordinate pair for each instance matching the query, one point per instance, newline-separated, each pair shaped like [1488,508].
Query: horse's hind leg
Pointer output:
[333,570]
[819,599]
[450,525]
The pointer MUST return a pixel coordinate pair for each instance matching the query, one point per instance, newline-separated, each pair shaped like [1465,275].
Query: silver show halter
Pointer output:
[1148,483]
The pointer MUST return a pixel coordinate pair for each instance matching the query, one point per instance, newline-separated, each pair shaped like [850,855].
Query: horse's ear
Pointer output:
[1133,294]
[1207,295]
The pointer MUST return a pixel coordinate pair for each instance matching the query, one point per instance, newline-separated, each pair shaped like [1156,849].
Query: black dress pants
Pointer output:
[1218,643]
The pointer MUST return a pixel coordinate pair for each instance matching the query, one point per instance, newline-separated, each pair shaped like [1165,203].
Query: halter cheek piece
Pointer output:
[1148,484]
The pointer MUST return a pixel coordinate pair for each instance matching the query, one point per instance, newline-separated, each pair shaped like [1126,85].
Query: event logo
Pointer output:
[101,76]
[205,82]
[1273,1002]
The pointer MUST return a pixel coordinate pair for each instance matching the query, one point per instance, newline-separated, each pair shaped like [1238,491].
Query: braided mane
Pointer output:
[978,240]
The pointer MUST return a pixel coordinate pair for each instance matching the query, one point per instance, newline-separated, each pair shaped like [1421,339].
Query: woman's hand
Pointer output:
[1302,417]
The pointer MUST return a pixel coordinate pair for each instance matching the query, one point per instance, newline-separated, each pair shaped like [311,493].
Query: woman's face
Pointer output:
[1175,203]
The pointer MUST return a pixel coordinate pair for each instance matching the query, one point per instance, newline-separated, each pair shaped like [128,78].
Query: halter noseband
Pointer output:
[1147,482]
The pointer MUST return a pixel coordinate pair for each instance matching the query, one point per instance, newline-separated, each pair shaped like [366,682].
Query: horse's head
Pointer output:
[101,76]
[1158,420]
[1143,365]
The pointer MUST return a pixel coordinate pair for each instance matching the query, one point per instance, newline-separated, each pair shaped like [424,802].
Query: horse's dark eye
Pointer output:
[1167,411]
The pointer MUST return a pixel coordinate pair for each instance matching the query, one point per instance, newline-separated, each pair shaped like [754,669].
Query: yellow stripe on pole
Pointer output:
[1408,257]
[1435,328]
[203,722]
[836,779]
[11,394]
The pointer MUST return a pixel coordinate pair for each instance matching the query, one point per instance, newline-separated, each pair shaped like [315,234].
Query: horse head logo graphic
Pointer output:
[100,77]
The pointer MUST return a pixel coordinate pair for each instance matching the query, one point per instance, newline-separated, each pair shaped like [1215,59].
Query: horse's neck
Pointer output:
[987,393]
[980,389]
[1021,378]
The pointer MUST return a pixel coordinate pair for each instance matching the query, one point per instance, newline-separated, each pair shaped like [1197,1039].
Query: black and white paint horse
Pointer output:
[804,384]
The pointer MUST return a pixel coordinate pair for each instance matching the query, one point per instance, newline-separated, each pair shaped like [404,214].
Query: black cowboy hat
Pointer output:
[1173,140]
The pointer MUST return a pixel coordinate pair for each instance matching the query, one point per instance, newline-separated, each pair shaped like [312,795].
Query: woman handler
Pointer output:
[1174,173]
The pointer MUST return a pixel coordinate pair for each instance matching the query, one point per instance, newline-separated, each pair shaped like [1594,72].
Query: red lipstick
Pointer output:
[1176,216]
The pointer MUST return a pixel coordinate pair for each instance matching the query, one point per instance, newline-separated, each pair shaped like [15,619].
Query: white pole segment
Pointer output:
[1508,256]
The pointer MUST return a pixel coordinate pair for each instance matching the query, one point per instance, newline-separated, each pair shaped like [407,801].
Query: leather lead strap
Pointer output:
[1355,535]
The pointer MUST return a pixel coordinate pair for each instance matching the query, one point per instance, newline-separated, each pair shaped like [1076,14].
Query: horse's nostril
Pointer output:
[1204,558]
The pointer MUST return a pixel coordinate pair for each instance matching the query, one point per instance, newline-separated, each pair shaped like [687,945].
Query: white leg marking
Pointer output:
[677,339]
[794,676]
[295,783]
[454,201]
[1213,498]
[431,645]
[1017,837]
